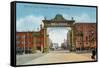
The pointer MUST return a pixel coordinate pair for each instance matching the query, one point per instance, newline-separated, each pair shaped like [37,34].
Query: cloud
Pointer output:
[83,17]
[32,23]
[66,16]
[29,23]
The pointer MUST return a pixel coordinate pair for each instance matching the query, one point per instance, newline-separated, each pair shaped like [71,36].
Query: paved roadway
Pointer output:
[60,56]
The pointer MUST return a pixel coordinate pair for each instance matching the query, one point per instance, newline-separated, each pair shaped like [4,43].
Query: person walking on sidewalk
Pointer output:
[93,54]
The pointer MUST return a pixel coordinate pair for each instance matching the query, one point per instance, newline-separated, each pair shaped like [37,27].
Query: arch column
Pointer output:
[73,38]
[46,47]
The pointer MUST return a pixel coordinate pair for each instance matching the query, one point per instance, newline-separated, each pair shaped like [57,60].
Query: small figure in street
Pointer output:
[93,54]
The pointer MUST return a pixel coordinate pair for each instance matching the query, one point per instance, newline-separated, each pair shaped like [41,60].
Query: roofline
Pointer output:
[85,23]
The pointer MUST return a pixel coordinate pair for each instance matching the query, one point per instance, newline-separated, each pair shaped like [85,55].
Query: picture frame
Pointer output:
[52,33]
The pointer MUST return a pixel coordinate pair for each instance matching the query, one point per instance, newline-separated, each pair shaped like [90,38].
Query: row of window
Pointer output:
[18,37]
[23,42]
[24,37]
[25,50]
[88,38]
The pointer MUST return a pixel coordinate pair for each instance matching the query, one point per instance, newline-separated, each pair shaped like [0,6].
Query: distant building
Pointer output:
[55,46]
[50,43]
[64,45]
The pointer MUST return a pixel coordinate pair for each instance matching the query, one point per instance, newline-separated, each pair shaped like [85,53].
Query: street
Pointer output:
[60,56]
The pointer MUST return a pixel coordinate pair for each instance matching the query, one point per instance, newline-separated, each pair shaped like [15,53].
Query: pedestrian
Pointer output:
[93,54]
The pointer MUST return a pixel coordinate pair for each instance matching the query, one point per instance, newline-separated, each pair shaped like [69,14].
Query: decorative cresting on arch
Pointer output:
[58,21]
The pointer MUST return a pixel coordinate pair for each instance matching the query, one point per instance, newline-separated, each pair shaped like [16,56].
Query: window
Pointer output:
[29,42]
[17,42]
[23,42]
[17,37]
[23,36]
[86,42]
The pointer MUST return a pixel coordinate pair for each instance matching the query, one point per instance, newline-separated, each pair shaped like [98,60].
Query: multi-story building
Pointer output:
[85,36]
[29,42]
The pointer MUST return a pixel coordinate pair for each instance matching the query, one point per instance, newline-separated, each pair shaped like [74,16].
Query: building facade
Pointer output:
[30,42]
[85,36]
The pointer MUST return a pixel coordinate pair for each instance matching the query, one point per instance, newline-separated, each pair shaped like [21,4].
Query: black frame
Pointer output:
[13,32]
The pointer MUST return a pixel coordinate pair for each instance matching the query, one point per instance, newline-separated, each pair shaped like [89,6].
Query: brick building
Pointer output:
[85,36]
[29,42]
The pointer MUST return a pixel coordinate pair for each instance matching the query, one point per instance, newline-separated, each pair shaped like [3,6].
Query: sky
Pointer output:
[58,34]
[30,16]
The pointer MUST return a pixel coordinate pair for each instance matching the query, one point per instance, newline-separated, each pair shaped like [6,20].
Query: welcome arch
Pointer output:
[59,21]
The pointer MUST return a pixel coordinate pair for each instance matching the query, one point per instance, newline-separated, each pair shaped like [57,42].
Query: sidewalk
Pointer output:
[22,59]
